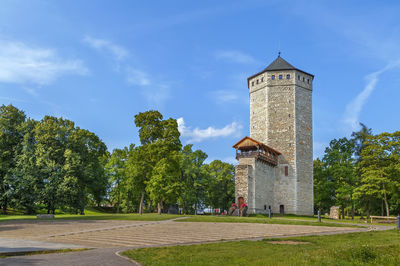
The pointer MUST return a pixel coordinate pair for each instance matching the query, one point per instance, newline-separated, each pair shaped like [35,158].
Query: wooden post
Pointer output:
[319,216]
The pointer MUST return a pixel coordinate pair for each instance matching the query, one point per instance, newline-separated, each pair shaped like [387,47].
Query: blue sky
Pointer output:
[99,63]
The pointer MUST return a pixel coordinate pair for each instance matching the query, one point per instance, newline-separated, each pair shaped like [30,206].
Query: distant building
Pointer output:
[275,168]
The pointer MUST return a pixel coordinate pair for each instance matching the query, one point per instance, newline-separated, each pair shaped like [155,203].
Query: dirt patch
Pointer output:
[288,242]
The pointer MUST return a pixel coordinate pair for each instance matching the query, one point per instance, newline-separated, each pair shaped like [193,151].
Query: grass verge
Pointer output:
[263,220]
[369,248]
[97,216]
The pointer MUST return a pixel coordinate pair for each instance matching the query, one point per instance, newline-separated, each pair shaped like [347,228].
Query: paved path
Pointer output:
[9,245]
[110,236]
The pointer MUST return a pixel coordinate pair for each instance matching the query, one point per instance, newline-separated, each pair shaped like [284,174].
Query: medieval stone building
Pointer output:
[275,168]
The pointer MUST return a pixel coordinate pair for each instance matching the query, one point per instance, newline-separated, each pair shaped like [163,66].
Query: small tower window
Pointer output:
[252,83]
[262,79]
[280,76]
[273,77]
[287,76]
[289,115]
[298,77]
[257,81]
[286,170]
[308,81]
[303,79]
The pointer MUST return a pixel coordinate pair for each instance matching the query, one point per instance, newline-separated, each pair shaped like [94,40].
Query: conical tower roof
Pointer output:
[279,64]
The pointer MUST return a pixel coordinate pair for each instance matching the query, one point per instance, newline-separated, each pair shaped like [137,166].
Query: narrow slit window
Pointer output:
[257,81]
[308,81]
[286,170]
[273,77]
[280,76]
[262,79]
[303,79]
[252,83]
[298,77]
[287,76]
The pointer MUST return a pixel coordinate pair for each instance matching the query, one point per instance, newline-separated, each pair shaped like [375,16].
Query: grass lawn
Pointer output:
[369,248]
[260,219]
[93,215]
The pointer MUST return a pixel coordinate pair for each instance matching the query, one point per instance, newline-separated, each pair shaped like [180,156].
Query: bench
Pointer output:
[45,216]
[383,218]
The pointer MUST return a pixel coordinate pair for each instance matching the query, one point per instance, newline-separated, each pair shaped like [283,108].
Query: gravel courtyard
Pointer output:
[108,233]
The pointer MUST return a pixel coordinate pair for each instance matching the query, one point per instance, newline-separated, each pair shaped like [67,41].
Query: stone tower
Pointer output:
[280,119]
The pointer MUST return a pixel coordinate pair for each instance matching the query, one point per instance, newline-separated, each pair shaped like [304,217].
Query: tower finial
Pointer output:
[279,53]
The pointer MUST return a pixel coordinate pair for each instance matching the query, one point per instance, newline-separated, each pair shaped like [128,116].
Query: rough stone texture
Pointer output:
[280,117]
[334,212]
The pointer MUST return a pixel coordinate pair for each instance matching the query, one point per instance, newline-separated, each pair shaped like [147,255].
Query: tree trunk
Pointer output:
[127,203]
[5,207]
[119,196]
[141,203]
[159,207]
[342,212]
[386,201]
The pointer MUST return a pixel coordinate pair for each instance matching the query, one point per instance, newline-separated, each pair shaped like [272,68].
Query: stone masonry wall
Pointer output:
[264,186]
[281,117]
[244,173]
[304,146]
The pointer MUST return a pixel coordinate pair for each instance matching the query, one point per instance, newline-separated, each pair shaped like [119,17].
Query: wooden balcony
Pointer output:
[271,159]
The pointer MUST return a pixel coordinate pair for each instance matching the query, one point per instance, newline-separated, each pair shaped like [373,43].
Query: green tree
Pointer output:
[116,170]
[193,178]
[51,141]
[160,144]
[26,181]
[220,184]
[324,187]
[340,165]
[380,168]
[11,136]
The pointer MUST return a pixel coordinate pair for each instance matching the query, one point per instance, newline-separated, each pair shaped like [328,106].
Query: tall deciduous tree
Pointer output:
[116,170]
[193,178]
[324,187]
[221,184]
[340,165]
[11,136]
[379,167]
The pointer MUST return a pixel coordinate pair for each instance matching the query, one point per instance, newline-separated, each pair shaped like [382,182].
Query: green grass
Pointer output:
[96,216]
[40,252]
[259,219]
[369,248]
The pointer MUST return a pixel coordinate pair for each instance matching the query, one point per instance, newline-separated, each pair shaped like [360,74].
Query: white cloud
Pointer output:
[20,63]
[155,91]
[118,52]
[354,108]
[235,56]
[137,77]
[198,135]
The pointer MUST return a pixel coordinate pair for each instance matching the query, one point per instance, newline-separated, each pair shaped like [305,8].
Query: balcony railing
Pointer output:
[268,158]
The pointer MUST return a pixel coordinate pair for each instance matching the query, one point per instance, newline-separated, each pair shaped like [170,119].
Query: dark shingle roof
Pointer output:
[279,64]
